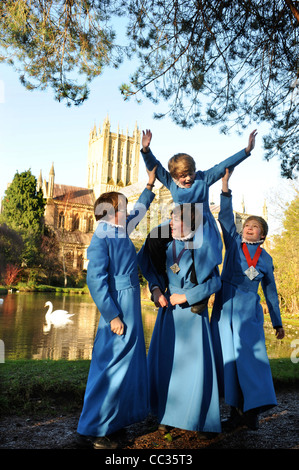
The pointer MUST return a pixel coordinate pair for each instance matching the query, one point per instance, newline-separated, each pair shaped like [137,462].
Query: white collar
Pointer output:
[187,237]
[259,242]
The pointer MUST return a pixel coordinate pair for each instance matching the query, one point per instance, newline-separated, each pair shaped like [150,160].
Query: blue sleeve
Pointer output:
[162,174]
[270,291]
[227,220]
[216,172]
[97,278]
[204,290]
[139,210]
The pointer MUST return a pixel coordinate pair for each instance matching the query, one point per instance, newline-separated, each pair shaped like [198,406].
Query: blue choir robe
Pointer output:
[182,374]
[244,373]
[209,240]
[117,387]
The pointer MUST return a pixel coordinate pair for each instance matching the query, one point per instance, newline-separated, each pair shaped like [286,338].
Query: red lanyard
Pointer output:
[251,262]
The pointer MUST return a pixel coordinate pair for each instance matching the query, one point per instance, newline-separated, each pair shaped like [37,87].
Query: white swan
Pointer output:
[58,318]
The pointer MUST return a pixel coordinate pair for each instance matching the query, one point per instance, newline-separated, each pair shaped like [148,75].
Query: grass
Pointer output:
[47,387]
[21,287]
[43,387]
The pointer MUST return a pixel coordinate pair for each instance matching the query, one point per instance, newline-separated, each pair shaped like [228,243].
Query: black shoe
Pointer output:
[104,443]
[93,442]
[85,441]
[250,419]
[235,419]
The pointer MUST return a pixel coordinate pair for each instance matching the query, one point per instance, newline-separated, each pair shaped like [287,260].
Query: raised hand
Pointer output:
[146,139]
[251,141]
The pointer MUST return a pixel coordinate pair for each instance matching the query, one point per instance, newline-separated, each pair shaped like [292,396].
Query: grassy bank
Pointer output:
[47,388]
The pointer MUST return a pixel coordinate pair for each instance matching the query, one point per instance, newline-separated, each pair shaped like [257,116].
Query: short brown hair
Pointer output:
[181,163]
[192,214]
[108,203]
[262,223]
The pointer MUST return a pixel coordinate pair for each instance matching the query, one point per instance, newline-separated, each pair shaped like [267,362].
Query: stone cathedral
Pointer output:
[112,165]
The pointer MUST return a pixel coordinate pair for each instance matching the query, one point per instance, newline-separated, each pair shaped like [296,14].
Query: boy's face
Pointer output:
[252,231]
[186,178]
[179,228]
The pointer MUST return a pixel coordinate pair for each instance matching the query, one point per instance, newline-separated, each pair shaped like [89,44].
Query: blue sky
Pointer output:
[36,130]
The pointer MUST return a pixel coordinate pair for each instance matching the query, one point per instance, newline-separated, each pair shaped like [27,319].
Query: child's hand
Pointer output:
[159,299]
[225,179]
[146,139]
[279,333]
[227,175]
[251,141]
[177,299]
[117,326]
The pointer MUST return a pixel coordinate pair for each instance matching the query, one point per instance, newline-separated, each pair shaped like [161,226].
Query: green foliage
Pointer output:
[227,63]
[11,247]
[286,259]
[54,43]
[221,62]
[23,210]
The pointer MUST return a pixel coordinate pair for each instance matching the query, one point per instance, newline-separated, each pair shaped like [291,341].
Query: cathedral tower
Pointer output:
[113,159]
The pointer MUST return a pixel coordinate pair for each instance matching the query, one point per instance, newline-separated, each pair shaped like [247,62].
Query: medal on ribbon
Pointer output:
[251,272]
[175,267]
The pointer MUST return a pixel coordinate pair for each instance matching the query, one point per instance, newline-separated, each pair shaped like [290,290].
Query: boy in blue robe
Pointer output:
[244,373]
[190,186]
[182,374]
[117,387]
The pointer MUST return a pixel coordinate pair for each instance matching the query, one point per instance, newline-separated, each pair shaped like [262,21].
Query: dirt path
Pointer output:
[278,430]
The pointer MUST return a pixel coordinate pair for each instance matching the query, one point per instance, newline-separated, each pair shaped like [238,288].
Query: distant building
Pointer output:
[113,163]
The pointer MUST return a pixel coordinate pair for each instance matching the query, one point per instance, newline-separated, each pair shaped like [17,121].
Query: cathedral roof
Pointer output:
[73,194]
[74,238]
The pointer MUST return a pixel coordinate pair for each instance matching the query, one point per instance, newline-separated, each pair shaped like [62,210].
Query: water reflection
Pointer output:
[22,328]
[22,322]
[25,333]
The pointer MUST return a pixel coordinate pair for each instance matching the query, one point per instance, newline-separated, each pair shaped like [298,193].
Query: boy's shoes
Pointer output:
[250,419]
[235,419]
[238,418]
[200,306]
[104,443]
[96,442]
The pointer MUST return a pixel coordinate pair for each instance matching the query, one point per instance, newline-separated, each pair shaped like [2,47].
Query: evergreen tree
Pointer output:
[11,247]
[223,62]
[23,210]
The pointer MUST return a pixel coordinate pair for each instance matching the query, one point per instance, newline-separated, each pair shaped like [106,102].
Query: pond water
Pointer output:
[25,334]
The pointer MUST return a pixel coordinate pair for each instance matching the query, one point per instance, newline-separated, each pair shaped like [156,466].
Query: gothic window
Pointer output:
[90,224]
[61,220]
[76,221]
[80,261]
